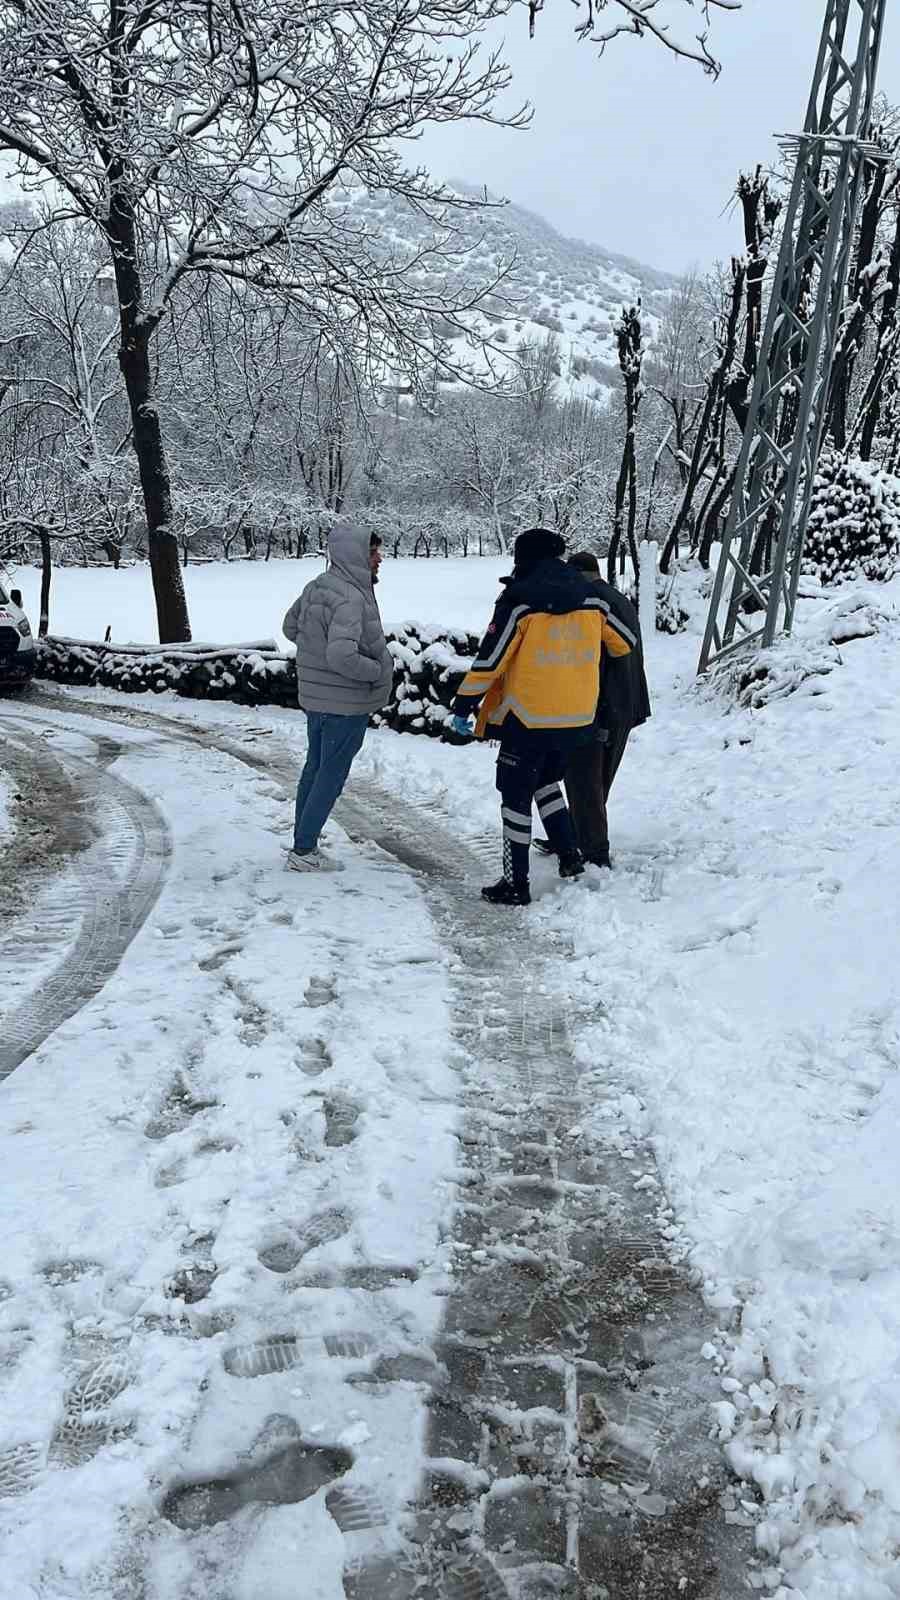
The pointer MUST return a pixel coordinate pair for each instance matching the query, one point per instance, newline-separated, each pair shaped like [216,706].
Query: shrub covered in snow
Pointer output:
[854,524]
[428,666]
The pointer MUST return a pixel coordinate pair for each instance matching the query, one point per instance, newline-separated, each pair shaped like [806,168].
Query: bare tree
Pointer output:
[629,340]
[760,210]
[871,297]
[602,21]
[484,463]
[216,139]
[538,367]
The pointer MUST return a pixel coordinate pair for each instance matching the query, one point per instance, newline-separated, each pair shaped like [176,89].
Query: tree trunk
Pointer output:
[46,576]
[712,520]
[168,584]
[146,432]
[862,297]
[631,355]
[709,437]
[870,410]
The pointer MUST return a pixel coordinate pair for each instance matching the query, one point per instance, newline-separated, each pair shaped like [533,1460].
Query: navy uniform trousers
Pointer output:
[525,778]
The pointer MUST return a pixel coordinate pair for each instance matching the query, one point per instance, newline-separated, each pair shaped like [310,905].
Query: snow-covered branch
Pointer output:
[659,20]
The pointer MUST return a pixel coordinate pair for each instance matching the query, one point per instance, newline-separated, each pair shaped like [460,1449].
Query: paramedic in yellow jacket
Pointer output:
[537,678]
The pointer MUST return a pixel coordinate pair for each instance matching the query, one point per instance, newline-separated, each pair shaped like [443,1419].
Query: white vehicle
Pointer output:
[18,656]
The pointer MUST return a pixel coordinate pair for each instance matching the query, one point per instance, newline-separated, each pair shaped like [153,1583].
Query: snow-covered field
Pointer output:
[740,964]
[242,600]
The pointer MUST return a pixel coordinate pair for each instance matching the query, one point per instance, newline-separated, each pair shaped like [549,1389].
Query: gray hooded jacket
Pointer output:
[343,665]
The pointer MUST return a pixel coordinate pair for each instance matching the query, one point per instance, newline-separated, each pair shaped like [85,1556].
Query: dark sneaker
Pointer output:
[505,893]
[599,861]
[571,865]
[544,847]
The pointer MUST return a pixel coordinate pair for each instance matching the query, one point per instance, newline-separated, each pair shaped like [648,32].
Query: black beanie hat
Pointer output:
[537,544]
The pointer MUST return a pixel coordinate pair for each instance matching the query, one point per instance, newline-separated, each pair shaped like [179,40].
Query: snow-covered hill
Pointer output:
[555,284]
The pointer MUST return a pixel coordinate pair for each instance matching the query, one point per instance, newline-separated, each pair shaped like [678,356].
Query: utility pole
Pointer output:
[755,590]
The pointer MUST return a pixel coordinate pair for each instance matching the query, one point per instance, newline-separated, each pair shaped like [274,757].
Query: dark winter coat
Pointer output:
[624,696]
[537,671]
[343,664]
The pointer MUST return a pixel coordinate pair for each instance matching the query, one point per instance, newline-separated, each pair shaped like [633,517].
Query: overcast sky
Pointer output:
[638,151]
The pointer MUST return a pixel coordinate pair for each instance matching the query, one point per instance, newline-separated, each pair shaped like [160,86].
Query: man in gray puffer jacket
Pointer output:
[344,673]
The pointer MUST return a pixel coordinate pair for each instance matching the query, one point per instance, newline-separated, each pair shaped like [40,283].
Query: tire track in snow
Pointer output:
[118,876]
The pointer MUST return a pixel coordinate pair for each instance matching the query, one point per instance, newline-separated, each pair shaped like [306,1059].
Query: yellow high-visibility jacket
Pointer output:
[540,660]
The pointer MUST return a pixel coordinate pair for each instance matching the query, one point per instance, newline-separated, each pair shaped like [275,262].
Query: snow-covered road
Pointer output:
[251,1120]
[247,1354]
[421,1238]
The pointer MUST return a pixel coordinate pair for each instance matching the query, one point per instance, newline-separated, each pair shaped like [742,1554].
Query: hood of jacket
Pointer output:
[551,586]
[348,553]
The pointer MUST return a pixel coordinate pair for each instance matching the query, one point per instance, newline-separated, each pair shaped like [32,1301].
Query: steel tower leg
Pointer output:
[762,548]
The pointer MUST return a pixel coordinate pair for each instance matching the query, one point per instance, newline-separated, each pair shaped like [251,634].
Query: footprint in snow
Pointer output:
[284,1352]
[313,1058]
[218,958]
[283,1477]
[184,1168]
[284,1253]
[320,992]
[86,1426]
[341,1117]
[20,1466]
[372,1279]
[191,1283]
[59,1273]
[355,1510]
[177,1110]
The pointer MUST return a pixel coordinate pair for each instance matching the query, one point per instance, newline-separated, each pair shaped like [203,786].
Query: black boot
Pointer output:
[571,865]
[504,893]
[600,860]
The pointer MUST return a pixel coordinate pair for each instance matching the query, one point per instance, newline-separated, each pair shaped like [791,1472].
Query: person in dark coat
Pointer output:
[624,704]
[536,678]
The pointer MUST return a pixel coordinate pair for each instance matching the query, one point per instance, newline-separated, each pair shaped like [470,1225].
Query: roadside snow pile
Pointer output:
[800,663]
[854,523]
[428,665]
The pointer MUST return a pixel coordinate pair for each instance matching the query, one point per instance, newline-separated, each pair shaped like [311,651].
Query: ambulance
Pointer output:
[18,656]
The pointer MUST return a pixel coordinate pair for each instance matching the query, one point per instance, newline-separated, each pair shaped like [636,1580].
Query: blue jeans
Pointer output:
[332,743]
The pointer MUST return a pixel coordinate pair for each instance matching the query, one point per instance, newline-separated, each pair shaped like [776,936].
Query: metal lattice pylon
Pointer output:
[762,548]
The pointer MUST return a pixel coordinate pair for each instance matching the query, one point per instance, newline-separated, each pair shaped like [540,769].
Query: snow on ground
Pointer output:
[260,1096]
[241,600]
[743,956]
[5,811]
[740,963]
[744,952]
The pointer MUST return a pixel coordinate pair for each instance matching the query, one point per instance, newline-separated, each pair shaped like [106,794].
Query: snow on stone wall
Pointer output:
[428,665]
